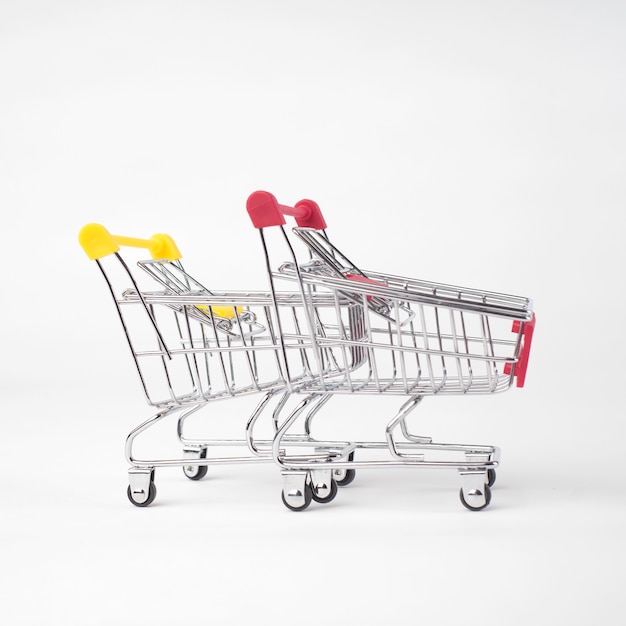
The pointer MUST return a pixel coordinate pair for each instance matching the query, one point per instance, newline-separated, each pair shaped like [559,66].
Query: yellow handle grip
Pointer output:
[97,242]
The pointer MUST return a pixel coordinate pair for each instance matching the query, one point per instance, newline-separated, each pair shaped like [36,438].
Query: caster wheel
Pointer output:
[148,501]
[491,477]
[479,507]
[308,496]
[329,497]
[344,477]
[196,472]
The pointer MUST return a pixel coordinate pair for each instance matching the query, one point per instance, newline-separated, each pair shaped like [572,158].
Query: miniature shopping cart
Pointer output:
[324,327]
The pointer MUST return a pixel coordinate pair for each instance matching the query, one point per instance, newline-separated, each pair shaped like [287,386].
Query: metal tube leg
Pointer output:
[405,409]
[289,421]
[252,422]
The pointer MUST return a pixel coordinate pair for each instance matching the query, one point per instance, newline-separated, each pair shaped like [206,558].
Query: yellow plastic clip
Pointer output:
[224,312]
[97,242]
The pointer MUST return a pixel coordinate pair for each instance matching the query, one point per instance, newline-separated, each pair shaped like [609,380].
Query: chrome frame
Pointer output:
[323,334]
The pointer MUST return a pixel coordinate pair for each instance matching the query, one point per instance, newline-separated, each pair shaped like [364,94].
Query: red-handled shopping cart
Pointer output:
[324,327]
[391,335]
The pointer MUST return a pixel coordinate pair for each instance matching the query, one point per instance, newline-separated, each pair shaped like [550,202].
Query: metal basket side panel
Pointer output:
[409,345]
[203,357]
[316,331]
[433,350]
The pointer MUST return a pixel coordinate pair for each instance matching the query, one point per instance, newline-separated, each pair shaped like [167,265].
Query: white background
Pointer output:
[477,143]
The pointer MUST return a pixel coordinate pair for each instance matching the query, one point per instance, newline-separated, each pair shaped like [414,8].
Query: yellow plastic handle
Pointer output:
[97,242]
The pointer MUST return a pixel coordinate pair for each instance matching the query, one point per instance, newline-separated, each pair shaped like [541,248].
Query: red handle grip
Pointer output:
[527,338]
[264,211]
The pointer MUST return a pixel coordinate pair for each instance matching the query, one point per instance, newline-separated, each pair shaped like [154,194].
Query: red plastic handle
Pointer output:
[264,211]
[527,337]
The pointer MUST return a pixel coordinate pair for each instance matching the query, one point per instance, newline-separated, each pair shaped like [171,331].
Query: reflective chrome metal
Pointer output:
[139,483]
[321,480]
[324,327]
[474,488]
[294,489]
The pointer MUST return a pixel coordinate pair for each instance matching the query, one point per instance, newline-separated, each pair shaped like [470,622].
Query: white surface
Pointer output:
[475,143]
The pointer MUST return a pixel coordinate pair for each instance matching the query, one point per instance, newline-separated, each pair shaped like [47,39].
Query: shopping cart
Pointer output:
[332,329]
[193,347]
[388,335]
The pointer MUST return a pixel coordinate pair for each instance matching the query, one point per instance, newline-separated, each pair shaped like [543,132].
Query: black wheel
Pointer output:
[308,496]
[491,477]
[196,472]
[149,500]
[482,506]
[344,477]
[329,497]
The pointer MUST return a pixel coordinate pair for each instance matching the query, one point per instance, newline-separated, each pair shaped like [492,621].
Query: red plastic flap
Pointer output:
[528,328]
[264,211]
[359,278]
